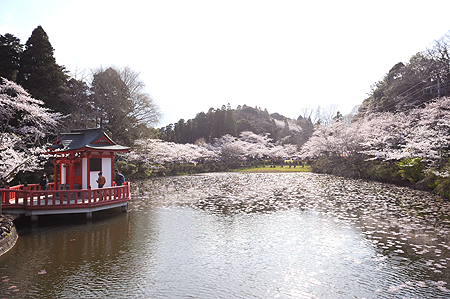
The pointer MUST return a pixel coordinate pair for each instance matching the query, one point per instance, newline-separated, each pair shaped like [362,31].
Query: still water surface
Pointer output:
[234,235]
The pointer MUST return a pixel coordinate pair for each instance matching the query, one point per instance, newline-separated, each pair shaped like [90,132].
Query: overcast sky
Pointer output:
[279,55]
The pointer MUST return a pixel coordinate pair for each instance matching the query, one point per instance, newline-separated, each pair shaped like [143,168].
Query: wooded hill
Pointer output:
[217,122]
[425,77]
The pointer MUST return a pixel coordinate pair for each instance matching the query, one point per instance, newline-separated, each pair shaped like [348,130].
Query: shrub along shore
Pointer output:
[138,170]
[411,173]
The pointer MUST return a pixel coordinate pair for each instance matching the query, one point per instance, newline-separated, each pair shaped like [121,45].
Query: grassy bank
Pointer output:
[284,168]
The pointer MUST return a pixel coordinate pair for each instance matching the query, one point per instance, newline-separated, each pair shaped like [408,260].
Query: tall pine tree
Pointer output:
[230,122]
[39,73]
[10,51]
[218,125]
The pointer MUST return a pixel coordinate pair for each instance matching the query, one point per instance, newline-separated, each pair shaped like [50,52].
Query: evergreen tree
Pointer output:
[203,123]
[218,126]
[39,73]
[230,122]
[191,129]
[338,117]
[10,51]
[244,125]
[179,130]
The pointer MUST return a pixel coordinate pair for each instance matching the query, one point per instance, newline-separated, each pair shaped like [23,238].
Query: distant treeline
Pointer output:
[218,122]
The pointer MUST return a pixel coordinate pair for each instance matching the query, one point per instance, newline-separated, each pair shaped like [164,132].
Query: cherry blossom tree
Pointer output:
[25,128]
[336,138]
[228,147]
[383,135]
[429,131]
[155,151]
[248,146]
[423,132]
[252,146]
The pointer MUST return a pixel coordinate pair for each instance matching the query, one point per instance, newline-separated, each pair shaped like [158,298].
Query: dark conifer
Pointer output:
[10,51]
[39,73]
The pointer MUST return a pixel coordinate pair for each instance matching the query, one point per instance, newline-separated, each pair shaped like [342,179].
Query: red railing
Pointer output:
[30,187]
[31,197]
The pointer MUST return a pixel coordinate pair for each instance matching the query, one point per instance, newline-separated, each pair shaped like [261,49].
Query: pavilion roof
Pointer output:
[94,139]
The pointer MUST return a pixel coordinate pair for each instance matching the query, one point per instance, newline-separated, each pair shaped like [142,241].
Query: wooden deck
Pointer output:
[31,201]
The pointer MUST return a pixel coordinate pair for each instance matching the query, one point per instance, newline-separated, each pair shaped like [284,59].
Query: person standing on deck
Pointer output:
[44,182]
[101,181]
[120,179]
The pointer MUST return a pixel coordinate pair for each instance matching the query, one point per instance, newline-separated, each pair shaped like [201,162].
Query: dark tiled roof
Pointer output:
[78,139]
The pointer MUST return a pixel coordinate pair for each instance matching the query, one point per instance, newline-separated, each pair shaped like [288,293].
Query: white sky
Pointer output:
[196,54]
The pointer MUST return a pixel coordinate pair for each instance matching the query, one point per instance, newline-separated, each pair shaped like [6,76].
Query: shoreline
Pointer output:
[8,234]
[275,168]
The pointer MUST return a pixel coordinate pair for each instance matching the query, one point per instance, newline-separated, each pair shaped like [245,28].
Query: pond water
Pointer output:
[237,235]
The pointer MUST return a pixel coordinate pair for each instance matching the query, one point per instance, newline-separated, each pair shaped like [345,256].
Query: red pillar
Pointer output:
[70,165]
[56,176]
[88,170]
[5,200]
[26,196]
[112,168]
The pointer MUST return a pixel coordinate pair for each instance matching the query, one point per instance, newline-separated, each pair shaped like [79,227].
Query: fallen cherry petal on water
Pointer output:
[444,289]
[421,283]
[12,287]
[6,280]
[42,272]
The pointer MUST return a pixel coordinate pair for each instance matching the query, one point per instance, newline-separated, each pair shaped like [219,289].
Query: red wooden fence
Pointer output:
[31,197]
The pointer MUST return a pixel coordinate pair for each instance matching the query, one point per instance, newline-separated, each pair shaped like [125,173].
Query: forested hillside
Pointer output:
[426,76]
[218,122]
